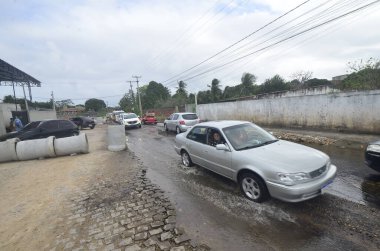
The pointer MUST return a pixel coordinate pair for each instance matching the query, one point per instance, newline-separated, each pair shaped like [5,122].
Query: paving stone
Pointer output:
[126,241]
[181,239]
[109,247]
[151,241]
[149,249]
[141,229]
[125,222]
[170,220]
[155,231]
[180,248]
[165,236]
[134,247]
[69,245]
[156,224]
[178,231]
[94,231]
[129,233]
[168,227]
[164,245]
[141,236]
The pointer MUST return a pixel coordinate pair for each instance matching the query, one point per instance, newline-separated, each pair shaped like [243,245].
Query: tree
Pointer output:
[180,96]
[274,84]
[248,81]
[94,104]
[300,78]
[154,95]
[128,102]
[364,76]
[62,103]
[216,92]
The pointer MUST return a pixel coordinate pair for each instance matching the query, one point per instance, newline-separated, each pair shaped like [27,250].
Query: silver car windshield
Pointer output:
[130,116]
[246,136]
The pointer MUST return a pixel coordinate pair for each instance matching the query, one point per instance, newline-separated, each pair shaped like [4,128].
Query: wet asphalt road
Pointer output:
[212,211]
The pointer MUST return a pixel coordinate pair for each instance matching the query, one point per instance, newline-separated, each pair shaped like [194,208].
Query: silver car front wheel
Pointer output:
[253,187]
[186,160]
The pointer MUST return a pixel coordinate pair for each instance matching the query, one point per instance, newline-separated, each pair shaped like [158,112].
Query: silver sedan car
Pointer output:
[261,164]
[180,121]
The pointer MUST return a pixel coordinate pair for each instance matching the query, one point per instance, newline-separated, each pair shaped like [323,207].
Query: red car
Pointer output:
[149,118]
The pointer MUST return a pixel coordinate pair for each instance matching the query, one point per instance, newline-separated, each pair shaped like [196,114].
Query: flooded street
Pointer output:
[212,211]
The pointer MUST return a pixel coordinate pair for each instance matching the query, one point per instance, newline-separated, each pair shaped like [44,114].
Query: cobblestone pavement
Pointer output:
[121,211]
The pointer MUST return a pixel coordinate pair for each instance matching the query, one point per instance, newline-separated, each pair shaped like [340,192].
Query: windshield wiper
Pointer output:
[258,145]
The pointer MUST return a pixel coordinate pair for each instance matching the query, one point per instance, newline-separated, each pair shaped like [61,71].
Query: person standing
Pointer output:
[18,124]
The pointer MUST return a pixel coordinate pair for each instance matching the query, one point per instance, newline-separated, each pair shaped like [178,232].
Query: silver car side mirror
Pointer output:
[222,147]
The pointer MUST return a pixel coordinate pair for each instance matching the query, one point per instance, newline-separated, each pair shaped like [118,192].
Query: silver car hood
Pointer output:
[285,156]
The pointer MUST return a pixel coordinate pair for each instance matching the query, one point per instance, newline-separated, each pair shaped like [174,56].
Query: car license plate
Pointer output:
[323,188]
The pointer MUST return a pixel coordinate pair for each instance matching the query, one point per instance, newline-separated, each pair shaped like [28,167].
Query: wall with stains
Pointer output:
[344,111]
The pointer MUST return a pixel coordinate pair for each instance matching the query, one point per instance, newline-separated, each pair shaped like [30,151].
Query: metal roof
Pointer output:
[10,75]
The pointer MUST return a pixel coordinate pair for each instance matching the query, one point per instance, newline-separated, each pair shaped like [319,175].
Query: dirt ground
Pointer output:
[33,193]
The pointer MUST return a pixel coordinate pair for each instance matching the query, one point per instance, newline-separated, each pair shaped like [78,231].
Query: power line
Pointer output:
[285,39]
[244,38]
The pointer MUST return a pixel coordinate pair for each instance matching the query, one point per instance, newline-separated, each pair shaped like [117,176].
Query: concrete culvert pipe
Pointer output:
[70,145]
[8,150]
[36,148]
[116,138]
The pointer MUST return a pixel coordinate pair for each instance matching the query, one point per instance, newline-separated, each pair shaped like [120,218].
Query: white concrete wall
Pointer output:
[349,111]
[7,110]
[2,123]
[41,115]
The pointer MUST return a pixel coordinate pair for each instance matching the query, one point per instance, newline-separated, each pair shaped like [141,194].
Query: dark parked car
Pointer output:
[43,129]
[372,155]
[84,122]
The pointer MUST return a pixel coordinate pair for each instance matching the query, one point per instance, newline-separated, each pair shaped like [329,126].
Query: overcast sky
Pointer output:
[82,49]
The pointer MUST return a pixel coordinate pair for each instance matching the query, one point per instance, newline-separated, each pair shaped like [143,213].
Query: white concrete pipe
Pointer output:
[8,150]
[34,149]
[116,138]
[70,145]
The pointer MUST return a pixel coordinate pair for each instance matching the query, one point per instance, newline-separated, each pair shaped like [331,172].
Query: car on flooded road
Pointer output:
[261,164]
[180,122]
[372,155]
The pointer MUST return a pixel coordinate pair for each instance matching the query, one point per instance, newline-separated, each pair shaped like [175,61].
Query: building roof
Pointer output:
[11,75]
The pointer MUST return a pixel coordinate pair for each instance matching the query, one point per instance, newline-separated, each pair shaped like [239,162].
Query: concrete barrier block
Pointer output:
[116,138]
[70,145]
[8,150]
[34,149]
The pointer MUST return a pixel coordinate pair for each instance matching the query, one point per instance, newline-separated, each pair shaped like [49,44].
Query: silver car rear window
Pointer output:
[190,116]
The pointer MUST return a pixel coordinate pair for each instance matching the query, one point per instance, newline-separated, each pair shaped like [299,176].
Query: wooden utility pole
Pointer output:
[138,93]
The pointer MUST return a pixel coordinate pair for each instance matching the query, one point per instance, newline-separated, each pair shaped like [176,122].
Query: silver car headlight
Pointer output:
[373,148]
[290,179]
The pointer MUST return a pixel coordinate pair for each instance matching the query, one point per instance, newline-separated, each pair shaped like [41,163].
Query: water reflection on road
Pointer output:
[212,210]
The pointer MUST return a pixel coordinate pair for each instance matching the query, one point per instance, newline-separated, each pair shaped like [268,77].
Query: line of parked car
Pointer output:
[59,128]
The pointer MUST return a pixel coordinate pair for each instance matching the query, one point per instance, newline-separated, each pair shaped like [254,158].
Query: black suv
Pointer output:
[83,122]
[372,155]
[43,129]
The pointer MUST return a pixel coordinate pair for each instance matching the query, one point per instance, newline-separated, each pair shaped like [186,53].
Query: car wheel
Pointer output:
[75,133]
[165,127]
[140,126]
[178,131]
[186,160]
[92,126]
[253,187]
[80,127]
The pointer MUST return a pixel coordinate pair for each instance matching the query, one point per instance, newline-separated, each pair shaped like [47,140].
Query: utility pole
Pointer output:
[138,93]
[26,103]
[52,98]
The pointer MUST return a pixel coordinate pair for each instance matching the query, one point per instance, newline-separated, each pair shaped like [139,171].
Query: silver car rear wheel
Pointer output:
[186,161]
[253,187]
